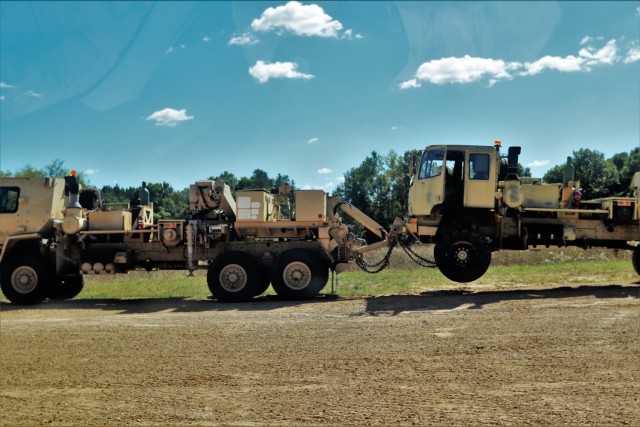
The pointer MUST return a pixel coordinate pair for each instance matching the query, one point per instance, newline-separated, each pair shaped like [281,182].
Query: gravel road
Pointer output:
[556,356]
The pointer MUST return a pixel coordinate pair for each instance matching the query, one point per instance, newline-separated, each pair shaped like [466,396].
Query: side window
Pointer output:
[432,163]
[9,199]
[479,166]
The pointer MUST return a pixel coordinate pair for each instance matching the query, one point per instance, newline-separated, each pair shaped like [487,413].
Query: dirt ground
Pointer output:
[556,356]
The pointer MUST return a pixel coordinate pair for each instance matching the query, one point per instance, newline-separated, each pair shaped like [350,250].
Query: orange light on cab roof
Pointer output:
[73,172]
[497,143]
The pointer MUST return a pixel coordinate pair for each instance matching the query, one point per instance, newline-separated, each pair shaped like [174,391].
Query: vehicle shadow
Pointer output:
[469,299]
[389,305]
[171,304]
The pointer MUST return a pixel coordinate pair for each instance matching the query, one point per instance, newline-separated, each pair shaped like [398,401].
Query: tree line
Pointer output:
[378,186]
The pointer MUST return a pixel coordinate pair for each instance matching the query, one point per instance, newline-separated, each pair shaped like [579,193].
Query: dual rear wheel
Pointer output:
[296,274]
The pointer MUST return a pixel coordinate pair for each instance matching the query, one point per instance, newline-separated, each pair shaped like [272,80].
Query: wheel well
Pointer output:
[463,219]
[25,246]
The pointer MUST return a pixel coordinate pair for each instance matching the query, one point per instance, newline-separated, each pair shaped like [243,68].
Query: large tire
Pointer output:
[233,277]
[462,256]
[26,279]
[67,288]
[298,274]
[635,259]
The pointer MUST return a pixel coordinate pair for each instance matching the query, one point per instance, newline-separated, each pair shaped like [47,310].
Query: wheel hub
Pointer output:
[462,255]
[297,275]
[233,278]
[24,279]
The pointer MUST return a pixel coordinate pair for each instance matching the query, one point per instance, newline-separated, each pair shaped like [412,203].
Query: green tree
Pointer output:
[378,186]
[228,178]
[627,165]
[598,176]
[524,172]
[55,169]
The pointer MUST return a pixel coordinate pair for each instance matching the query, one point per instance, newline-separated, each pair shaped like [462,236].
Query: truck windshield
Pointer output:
[431,165]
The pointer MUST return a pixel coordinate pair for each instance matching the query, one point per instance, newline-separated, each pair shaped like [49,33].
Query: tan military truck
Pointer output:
[53,233]
[470,201]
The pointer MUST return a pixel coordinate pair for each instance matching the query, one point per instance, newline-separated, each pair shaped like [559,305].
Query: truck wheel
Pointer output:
[68,288]
[462,256]
[26,279]
[635,259]
[298,274]
[233,277]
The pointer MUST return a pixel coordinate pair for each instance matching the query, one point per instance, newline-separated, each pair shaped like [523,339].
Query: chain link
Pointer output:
[384,262]
[413,256]
[378,266]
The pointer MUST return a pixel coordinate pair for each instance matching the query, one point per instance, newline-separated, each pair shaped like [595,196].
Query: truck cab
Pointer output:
[454,176]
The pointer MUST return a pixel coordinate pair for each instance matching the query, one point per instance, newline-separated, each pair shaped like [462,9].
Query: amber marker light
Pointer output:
[497,144]
[73,172]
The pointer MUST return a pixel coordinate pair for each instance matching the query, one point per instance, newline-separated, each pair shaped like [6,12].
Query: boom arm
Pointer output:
[358,215]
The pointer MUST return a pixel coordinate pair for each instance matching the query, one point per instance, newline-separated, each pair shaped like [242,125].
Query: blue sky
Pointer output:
[176,92]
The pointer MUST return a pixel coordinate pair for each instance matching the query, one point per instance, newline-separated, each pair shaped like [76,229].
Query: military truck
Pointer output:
[53,233]
[470,202]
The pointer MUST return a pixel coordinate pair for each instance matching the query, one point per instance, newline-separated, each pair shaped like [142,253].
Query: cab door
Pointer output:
[427,189]
[480,180]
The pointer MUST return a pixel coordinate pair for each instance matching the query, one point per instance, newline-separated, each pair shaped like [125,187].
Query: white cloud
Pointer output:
[633,54]
[324,171]
[303,20]
[413,83]
[589,39]
[1,97]
[638,11]
[169,117]
[313,141]
[463,70]
[169,50]
[183,46]
[538,163]
[587,57]
[340,179]
[91,171]
[469,69]
[206,39]
[396,127]
[4,85]
[33,94]
[567,64]
[263,71]
[606,55]
[348,34]
[243,39]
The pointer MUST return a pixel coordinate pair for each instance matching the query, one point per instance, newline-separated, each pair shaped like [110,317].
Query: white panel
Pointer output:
[244,202]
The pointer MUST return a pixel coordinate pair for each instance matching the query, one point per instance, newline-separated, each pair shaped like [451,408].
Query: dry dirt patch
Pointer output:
[515,356]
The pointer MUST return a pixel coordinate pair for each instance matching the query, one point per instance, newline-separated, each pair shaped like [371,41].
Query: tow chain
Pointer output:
[413,256]
[378,266]
[384,262]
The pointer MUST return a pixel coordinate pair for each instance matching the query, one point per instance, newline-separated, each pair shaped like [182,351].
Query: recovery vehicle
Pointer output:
[53,233]
[469,201]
